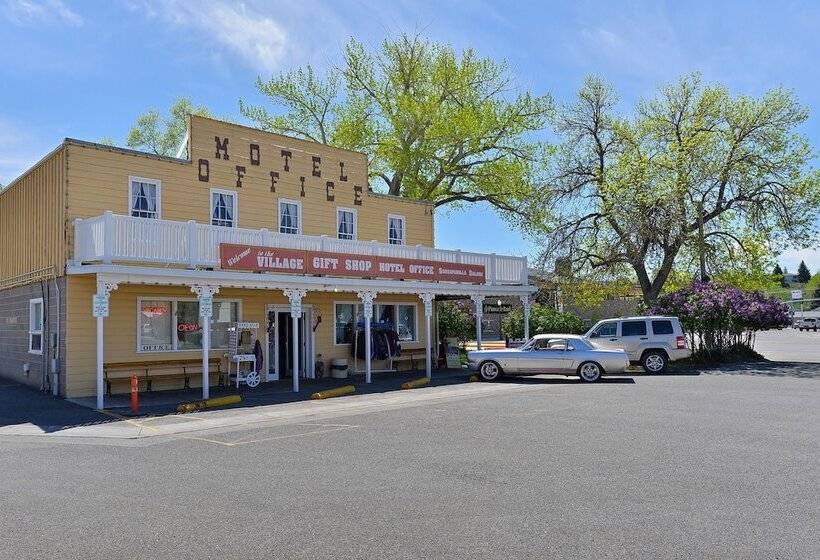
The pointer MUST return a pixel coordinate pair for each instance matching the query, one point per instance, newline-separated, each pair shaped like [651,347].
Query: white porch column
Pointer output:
[428,314]
[295,296]
[478,300]
[205,294]
[367,302]
[525,301]
[100,311]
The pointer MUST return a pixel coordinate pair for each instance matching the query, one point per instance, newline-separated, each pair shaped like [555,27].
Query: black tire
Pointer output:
[654,361]
[489,371]
[590,372]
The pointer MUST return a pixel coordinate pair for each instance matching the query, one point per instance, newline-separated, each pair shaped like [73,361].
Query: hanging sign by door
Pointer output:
[295,261]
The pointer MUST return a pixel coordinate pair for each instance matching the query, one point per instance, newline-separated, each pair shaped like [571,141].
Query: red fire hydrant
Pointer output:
[135,398]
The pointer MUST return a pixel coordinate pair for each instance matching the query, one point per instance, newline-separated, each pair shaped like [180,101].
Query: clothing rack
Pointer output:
[374,326]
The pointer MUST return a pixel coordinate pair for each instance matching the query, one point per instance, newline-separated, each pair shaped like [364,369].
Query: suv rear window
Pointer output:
[633,328]
[662,327]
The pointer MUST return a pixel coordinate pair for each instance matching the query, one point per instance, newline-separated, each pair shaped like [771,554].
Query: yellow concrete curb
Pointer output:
[473,378]
[420,382]
[337,392]
[210,403]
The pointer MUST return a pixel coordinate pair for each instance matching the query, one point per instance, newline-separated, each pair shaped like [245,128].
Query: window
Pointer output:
[607,329]
[401,315]
[144,197]
[662,327]
[633,328]
[289,217]
[344,316]
[346,223]
[395,229]
[35,326]
[224,208]
[158,320]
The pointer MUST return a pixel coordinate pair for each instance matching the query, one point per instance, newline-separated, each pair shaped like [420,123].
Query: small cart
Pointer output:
[242,361]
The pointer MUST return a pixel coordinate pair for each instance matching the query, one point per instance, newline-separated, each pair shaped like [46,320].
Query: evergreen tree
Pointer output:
[803,274]
[777,270]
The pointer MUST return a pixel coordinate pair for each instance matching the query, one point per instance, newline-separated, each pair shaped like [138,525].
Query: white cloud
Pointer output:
[40,11]
[259,40]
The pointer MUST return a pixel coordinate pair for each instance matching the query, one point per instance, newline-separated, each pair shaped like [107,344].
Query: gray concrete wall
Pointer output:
[14,338]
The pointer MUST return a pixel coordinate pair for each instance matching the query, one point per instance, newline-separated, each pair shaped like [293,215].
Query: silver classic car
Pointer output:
[564,354]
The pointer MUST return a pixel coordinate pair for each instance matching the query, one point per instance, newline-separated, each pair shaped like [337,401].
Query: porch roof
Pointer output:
[127,274]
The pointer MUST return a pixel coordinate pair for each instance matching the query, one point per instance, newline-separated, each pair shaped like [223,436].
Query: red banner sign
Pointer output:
[295,261]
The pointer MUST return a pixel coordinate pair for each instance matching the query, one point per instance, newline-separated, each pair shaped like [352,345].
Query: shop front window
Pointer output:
[406,322]
[155,326]
[401,316]
[160,319]
[189,329]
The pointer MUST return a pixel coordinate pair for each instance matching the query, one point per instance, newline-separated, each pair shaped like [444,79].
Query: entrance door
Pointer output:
[280,343]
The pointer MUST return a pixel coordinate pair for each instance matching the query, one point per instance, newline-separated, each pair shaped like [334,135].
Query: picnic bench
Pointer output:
[161,369]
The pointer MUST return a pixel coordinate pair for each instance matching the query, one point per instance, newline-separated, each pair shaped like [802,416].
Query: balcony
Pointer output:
[111,238]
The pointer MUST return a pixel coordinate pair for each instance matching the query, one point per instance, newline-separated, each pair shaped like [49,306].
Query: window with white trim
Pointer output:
[290,219]
[144,196]
[348,315]
[395,229]
[35,326]
[173,324]
[224,211]
[346,223]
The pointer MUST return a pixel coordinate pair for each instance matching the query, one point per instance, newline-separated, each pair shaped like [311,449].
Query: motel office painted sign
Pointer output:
[295,261]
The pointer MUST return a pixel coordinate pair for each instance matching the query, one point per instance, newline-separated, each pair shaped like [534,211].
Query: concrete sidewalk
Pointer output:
[110,425]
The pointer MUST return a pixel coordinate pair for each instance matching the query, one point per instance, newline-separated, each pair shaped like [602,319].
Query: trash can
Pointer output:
[338,368]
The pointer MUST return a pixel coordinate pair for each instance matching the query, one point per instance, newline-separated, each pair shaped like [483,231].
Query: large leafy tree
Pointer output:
[162,135]
[438,125]
[686,177]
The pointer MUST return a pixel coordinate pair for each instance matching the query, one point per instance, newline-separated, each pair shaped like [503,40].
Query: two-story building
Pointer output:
[111,256]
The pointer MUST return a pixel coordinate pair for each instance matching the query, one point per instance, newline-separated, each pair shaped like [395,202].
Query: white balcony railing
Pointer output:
[114,238]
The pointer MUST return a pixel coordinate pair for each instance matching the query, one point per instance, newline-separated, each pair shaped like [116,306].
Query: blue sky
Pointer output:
[86,69]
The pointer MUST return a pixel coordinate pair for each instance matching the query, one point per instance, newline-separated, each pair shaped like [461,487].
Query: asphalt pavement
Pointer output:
[789,345]
[719,464]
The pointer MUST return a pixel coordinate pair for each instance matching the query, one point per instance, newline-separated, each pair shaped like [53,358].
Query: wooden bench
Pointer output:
[412,355]
[148,371]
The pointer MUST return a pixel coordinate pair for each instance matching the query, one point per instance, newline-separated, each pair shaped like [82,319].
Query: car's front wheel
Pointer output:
[654,362]
[589,372]
[489,371]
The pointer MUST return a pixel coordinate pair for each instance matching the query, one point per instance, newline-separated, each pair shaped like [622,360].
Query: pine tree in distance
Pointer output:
[803,273]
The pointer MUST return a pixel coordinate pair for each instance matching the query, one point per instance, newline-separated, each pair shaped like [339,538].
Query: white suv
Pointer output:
[651,341]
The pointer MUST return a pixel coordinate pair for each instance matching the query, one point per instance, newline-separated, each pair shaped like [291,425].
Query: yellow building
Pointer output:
[111,259]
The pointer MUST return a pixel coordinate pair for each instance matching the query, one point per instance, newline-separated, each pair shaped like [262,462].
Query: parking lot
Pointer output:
[713,464]
[789,345]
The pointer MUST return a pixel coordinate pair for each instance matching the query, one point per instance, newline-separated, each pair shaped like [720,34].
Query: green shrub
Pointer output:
[543,319]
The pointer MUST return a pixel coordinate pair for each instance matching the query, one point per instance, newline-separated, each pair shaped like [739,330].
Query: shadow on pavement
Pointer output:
[802,370]
[20,404]
[540,380]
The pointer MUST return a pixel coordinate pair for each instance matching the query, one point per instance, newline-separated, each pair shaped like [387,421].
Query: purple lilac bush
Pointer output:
[718,317]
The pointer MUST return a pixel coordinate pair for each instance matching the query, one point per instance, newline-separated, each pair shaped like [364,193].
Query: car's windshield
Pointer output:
[557,343]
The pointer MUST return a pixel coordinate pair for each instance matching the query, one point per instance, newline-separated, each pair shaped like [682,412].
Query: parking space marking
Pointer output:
[325,429]
[128,420]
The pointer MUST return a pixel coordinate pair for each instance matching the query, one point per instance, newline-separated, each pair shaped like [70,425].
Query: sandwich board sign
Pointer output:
[797,294]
